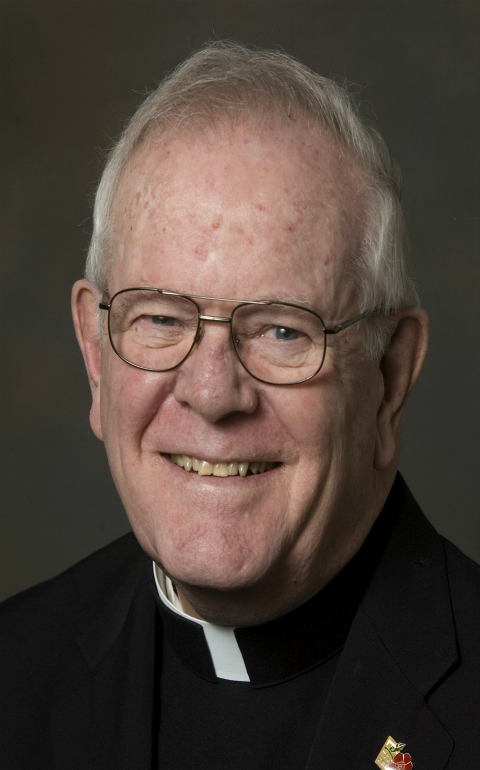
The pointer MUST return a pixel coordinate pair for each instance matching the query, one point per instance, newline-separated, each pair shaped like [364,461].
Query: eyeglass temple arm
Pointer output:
[104,305]
[346,324]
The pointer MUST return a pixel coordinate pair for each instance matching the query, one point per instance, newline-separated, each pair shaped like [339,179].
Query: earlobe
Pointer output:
[399,368]
[385,443]
[85,298]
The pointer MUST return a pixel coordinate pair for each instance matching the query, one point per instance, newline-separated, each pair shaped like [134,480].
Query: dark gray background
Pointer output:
[72,72]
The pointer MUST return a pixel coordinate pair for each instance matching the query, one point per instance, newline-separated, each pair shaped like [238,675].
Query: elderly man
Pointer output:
[251,335]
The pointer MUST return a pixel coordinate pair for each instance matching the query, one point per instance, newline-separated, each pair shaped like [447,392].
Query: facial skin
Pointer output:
[255,214]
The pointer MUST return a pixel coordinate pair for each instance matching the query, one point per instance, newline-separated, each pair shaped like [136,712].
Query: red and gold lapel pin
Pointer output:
[391,756]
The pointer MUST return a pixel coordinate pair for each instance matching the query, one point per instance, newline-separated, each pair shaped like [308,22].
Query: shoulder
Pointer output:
[43,620]
[42,661]
[464,583]
[456,699]
[460,566]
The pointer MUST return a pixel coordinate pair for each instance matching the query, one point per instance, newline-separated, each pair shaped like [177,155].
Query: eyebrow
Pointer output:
[292,299]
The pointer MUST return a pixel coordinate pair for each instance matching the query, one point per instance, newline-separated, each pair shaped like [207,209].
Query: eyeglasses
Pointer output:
[276,342]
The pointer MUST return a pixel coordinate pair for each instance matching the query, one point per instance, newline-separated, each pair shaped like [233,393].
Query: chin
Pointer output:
[209,564]
[224,548]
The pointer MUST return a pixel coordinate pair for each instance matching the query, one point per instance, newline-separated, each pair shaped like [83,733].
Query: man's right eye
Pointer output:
[286,334]
[164,320]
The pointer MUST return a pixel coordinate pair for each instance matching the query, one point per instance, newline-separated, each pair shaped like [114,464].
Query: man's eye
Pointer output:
[285,333]
[164,320]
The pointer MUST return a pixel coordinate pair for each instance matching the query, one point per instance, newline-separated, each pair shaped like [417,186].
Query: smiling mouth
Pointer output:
[204,468]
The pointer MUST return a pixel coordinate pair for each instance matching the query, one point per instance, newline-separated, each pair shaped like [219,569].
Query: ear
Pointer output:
[85,299]
[399,368]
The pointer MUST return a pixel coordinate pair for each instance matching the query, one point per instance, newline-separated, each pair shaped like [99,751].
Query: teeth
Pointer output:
[204,468]
[259,467]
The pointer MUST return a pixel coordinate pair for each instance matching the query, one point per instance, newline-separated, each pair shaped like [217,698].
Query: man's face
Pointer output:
[269,214]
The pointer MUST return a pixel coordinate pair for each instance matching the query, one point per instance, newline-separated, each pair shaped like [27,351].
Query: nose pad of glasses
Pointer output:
[198,337]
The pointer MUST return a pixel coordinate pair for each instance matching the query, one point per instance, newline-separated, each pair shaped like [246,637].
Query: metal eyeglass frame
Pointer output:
[227,319]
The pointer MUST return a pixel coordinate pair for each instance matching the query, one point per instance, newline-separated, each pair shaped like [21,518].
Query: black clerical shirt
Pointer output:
[271,721]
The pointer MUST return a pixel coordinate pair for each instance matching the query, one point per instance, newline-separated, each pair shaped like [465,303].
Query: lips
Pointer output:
[230,468]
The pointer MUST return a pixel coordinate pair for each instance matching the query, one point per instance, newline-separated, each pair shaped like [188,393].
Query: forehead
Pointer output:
[282,201]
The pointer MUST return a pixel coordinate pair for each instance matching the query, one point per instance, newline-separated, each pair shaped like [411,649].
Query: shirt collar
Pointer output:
[226,656]
[283,648]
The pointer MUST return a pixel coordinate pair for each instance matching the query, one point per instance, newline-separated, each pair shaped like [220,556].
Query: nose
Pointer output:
[212,381]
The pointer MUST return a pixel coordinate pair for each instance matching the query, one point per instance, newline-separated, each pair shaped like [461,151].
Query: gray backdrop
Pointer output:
[72,72]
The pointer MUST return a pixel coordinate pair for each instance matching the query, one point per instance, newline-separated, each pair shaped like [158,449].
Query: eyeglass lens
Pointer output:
[276,343]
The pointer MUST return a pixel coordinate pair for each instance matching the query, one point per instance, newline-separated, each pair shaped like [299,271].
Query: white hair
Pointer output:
[225,83]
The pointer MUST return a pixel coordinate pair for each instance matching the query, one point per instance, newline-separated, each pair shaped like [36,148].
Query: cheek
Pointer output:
[353,408]
[331,422]
[305,415]
[130,400]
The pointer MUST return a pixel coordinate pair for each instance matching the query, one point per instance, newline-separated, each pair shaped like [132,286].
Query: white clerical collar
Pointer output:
[226,656]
